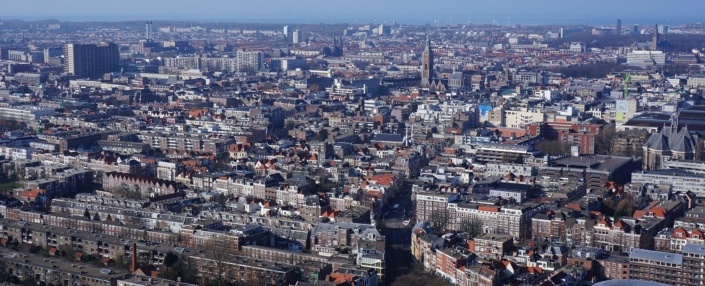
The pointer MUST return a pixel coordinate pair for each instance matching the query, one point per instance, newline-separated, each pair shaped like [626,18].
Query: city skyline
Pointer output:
[598,12]
[338,143]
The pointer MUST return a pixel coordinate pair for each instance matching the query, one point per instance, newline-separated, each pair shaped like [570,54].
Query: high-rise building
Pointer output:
[427,64]
[91,61]
[618,31]
[249,61]
[655,40]
[662,29]
[383,30]
[53,53]
[296,37]
[286,31]
[148,32]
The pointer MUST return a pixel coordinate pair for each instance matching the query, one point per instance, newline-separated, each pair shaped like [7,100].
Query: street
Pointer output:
[398,235]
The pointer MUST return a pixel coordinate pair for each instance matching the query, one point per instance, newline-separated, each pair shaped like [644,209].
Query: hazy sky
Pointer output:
[335,11]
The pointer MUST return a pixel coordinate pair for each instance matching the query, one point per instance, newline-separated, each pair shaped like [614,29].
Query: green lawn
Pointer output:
[8,187]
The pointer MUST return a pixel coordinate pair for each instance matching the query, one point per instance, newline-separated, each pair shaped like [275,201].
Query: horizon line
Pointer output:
[528,21]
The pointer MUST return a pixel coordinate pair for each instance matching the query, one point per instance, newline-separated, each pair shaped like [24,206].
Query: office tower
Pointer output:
[662,29]
[618,32]
[91,61]
[635,30]
[286,31]
[427,64]
[296,37]
[148,32]
[655,40]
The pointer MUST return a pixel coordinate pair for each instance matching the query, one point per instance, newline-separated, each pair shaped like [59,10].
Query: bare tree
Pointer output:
[471,226]
[439,219]
[4,272]
[54,278]
[219,251]
[604,140]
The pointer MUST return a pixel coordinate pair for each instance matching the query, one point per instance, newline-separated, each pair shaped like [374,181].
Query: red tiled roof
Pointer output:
[488,208]
[32,194]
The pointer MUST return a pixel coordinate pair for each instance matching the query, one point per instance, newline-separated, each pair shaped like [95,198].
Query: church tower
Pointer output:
[427,64]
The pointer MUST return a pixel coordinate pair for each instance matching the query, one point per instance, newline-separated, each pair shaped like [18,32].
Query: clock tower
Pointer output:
[427,64]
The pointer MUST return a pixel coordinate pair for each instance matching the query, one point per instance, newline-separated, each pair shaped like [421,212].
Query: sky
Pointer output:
[595,12]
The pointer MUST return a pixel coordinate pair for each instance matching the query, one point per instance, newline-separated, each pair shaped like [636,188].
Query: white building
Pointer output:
[646,58]
[519,118]
[296,37]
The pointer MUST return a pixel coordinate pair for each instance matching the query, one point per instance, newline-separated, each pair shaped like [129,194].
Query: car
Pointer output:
[406,222]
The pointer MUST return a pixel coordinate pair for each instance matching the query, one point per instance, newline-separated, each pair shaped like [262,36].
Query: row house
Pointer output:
[579,231]
[674,239]
[233,239]
[55,238]
[325,238]
[491,246]
[449,260]
[185,142]
[291,194]
[625,234]
[240,187]
[549,225]
[63,183]
[235,219]
[147,186]
[148,219]
[281,255]
[82,223]
[237,269]
[370,251]
[459,265]
[478,275]
[514,221]
[51,271]
[614,267]
[409,163]
[428,204]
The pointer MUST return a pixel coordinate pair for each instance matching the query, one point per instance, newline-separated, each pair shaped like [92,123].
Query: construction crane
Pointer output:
[627,77]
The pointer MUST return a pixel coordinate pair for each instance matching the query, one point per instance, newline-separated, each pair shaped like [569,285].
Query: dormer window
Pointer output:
[696,236]
[679,234]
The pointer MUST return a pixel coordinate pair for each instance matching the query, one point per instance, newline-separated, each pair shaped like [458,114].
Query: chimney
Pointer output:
[133,260]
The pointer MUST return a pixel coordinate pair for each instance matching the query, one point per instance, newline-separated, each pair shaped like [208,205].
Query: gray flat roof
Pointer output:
[628,282]
[694,248]
[599,162]
[657,256]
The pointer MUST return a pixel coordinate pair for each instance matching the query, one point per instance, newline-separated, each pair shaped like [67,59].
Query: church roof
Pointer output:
[669,139]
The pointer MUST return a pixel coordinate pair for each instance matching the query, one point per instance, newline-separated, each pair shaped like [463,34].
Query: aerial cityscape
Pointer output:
[347,144]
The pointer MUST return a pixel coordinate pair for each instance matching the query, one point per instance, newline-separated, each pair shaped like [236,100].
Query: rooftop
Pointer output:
[657,256]
[598,162]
